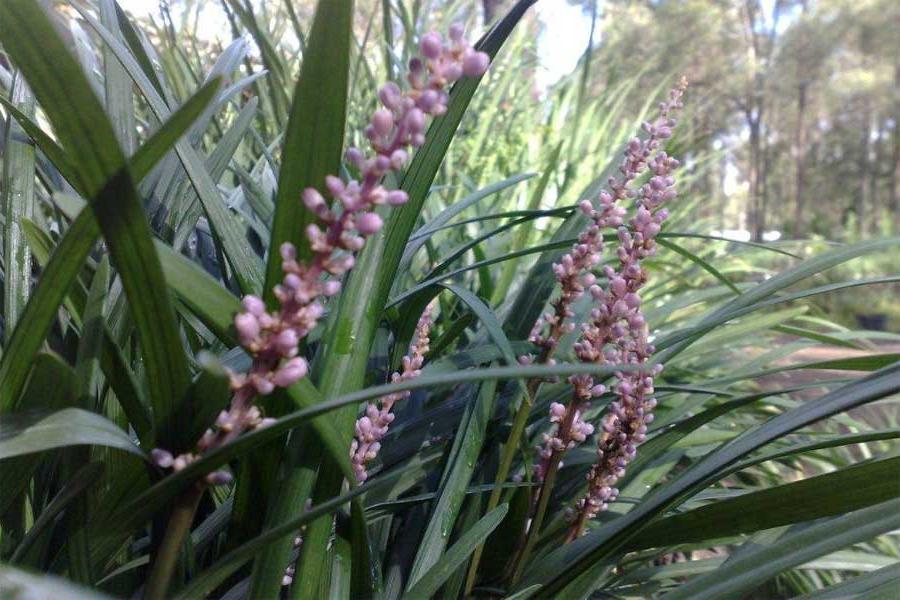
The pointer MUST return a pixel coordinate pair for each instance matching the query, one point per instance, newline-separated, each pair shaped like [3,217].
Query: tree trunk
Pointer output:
[800,163]
[895,158]
[753,204]
[861,201]
[489,9]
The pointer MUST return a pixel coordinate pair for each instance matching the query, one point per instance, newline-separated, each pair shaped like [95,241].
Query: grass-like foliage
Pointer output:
[242,361]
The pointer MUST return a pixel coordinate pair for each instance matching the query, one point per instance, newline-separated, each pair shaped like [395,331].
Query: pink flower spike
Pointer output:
[343,221]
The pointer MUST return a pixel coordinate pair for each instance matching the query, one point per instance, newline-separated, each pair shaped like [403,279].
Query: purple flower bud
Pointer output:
[390,95]
[456,32]
[431,45]
[368,223]
[162,458]
[382,121]
[219,478]
[331,287]
[415,120]
[557,410]
[312,199]
[247,327]
[453,71]
[397,197]
[355,157]
[335,185]
[253,305]
[428,100]
[286,342]
[475,64]
[398,159]
[586,207]
[291,372]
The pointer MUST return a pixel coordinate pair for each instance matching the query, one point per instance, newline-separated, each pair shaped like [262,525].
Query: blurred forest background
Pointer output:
[792,127]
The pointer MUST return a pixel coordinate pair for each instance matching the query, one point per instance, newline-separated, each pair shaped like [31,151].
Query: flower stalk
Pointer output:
[617,332]
[371,428]
[273,337]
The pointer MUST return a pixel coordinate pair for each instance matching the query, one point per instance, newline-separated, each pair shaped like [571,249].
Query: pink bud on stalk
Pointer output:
[273,338]
[617,316]
[619,328]
[373,426]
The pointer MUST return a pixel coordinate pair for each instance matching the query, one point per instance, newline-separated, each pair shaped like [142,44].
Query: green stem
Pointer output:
[539,513]
[565,428]
[509,453]
[176,531]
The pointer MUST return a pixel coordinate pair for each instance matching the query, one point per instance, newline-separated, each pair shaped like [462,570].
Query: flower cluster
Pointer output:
[609,324]
[273,338]
[618,333]
[373,426]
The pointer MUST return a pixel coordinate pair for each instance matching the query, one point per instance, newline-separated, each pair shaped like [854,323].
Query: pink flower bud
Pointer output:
[247,327]
[586,207]
[355,157]
[286,342]
[331,287]
[382,121]
[219,478]
[398,159]
[335,185]
[415,120]
[397,197]
[475,64]
[557,410]
[428,100]
[253,305]
[162,458]
[390,95]
[263,386]
[368,223]
[431,45]
[312,199]
[291,372]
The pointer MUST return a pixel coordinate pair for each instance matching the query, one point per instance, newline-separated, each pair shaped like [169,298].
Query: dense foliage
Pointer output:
[202,395]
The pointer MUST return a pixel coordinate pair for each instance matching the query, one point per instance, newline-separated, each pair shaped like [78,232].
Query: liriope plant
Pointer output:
[195,398]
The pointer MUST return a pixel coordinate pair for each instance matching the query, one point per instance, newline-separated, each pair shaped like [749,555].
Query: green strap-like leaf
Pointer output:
[456,555]
[72,490]
[826,495]
[877,585]
[30,433]
[743,573]
[352,328]
[18,204]
[314,138]
[460,466]
[227,229]
[572,560]
[231,562]
[85,132]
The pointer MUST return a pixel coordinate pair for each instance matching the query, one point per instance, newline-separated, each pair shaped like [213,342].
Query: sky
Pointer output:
[562,41]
